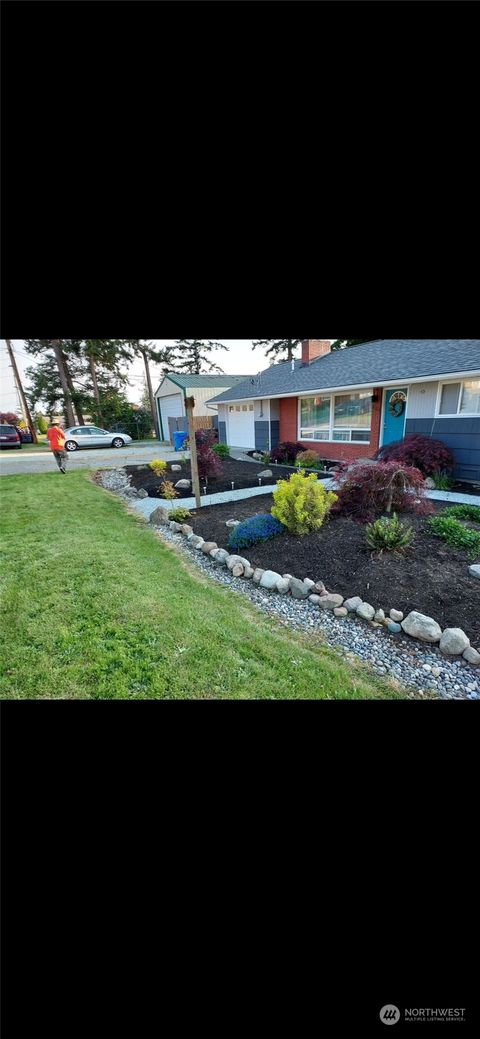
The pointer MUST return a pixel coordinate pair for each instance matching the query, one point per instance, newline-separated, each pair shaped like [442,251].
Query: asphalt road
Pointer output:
[13,462]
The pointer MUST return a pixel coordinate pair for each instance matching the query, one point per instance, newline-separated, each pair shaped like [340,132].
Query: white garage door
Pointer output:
[241,425]
[170,407]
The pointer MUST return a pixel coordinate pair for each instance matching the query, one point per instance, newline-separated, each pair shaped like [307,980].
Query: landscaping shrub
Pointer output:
[452,531]
[180,515]
[389,534]
[209,463]
[255,530]
[286,453]
[158,466]
[421,452]
[309,460]
[465,512]
[205,437]
[442,481]
[368,491]
[266,458]
[302,503]
[222,450]
[42,424]
[168,491]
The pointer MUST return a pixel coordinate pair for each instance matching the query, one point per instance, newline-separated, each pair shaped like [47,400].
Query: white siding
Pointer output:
[262,406]
[421,400]
[201,395]
[167,388]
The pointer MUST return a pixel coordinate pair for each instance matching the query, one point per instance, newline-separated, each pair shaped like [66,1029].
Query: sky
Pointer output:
[240,360]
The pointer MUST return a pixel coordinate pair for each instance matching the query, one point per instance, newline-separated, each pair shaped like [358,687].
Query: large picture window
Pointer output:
[460,398]
[341,417]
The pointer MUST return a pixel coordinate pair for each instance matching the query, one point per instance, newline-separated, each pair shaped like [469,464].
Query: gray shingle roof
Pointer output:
[187,381]
[370,364]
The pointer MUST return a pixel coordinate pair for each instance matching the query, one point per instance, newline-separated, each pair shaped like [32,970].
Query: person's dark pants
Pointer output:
[61,459]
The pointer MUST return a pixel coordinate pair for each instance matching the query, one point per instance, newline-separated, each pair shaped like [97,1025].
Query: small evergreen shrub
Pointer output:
[255,530]
[421,452]
[309,460]
[368,491]
[209,464]
[266,458]
[158,466]
[168,491]
[388,534]
[180,515]
[302,503]
[454,533]
[286,453]
[222,450]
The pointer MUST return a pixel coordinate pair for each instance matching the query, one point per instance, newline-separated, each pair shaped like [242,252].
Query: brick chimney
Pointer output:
[313,348]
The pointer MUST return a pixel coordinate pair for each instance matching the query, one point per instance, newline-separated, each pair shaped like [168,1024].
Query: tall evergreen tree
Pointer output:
[193,356]
[278,346]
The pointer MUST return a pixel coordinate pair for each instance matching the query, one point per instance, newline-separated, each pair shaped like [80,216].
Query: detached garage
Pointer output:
[173,390]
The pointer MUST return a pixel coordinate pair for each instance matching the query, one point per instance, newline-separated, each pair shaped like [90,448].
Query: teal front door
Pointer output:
[394,409]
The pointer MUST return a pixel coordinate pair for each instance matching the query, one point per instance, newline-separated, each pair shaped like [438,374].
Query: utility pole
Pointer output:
[189,406]
[150,390]
[26,410]
[56,347]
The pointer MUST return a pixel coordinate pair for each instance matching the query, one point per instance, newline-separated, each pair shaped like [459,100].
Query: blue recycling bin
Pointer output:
[179,438]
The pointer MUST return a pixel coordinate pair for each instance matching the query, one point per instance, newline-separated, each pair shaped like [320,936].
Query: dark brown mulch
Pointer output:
[243,474]
[432,578]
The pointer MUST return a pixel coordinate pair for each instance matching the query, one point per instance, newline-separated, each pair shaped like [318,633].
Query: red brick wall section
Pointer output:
[337,452]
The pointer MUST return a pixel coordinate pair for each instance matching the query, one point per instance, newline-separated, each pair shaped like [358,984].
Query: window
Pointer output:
[460,398]
[244,407]
[344,417]
[250,407]
[231,409]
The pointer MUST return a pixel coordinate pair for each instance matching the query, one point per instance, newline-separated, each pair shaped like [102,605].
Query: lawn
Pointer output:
[95,606]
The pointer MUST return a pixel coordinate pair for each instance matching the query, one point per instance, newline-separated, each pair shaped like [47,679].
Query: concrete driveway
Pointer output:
[15,462]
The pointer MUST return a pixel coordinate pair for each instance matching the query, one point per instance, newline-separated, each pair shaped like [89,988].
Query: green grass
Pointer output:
[95,606]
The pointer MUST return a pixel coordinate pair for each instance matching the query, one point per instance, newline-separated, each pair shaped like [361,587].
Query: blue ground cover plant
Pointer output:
[255,530]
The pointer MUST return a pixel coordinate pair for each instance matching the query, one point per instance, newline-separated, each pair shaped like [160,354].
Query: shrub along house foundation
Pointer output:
[347,403]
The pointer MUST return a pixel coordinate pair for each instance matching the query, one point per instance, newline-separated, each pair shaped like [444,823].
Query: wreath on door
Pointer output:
[397,404]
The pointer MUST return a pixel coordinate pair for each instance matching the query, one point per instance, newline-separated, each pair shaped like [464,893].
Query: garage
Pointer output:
[241,425]
[170,407]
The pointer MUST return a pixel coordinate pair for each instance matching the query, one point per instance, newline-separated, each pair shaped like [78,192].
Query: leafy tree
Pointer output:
[342,344]
[193,355]
[42,424]
[9,417]
[119,416]
[278,346]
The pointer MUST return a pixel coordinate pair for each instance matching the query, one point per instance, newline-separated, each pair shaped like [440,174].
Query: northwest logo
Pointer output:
[389,1014]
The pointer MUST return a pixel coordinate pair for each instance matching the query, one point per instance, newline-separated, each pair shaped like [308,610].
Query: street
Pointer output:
[13,462]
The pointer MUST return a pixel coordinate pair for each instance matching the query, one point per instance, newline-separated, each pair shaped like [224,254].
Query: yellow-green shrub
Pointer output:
[302,503]
[158,466]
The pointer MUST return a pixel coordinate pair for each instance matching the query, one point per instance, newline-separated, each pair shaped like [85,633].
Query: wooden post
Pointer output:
[23,399]
[189,406]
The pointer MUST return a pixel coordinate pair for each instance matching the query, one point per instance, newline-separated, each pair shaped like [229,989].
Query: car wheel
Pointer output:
[118,442]
[71,445]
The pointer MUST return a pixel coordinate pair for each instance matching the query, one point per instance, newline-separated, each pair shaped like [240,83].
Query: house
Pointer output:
[174,388]
[348,403]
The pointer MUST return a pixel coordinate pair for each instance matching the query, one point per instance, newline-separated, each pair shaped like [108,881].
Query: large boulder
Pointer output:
[269,580]
[195,541]
[209,546]
[221,556]
[454,641]
[160,516]
[187,529]
[234,560]
[422,627]
[258,574]
[232,523]
[299,589]
[176,527]
[176,468]
[330,601]
[474,570]
[340,611]
[183,485]
[365,611]
[283,586]
[238,570]
[352,604]
[142,493]
[397,616]
[472,656]
[265,474]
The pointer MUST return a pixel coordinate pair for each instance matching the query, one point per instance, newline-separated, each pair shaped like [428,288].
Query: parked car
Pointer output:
[77,437]
[25,435]
[9,436]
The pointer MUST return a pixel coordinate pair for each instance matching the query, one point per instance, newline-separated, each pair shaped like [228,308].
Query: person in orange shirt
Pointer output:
[56,438]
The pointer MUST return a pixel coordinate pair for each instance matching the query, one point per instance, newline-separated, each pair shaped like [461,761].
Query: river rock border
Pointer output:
[452,641]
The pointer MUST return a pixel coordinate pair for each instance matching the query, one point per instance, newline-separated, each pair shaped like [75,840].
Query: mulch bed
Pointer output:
[243,474]
[432,577]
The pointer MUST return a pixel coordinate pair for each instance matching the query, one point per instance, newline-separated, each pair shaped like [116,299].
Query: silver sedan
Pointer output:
[93,436]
